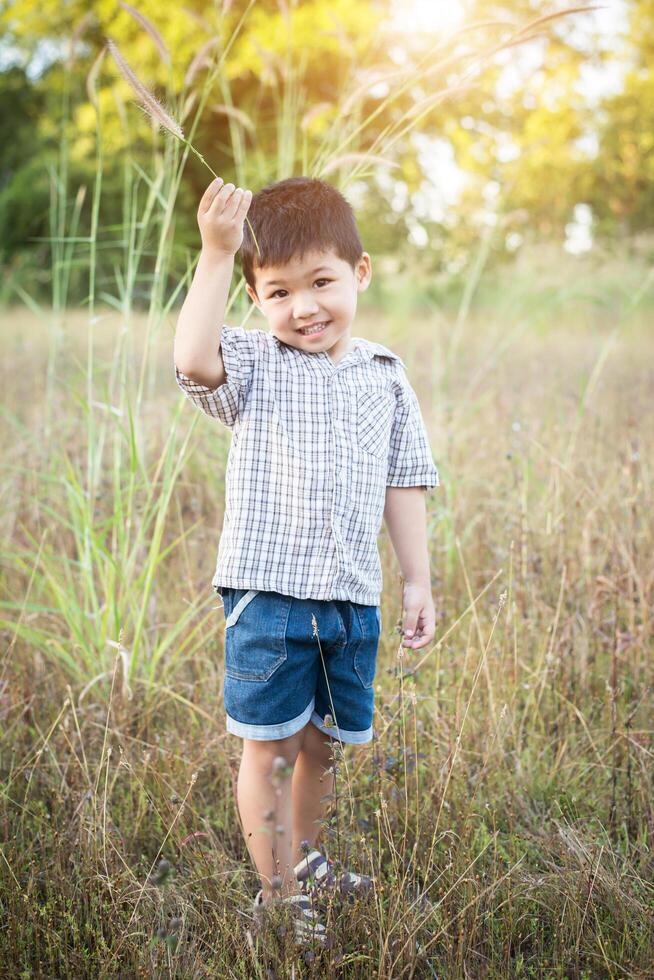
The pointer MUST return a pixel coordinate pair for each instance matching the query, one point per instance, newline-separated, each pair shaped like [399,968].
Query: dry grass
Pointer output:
[506,804]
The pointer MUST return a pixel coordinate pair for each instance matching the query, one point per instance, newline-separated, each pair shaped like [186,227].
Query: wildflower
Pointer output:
[328,721]
[162,873]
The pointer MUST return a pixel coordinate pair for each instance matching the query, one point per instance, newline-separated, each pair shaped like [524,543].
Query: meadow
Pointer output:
[505,806]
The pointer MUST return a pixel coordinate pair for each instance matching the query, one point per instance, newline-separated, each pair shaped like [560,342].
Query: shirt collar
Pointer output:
[370,348]
[367,349]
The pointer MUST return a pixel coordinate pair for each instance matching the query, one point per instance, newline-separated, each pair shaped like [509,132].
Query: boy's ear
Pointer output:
[253,296]
[364,272]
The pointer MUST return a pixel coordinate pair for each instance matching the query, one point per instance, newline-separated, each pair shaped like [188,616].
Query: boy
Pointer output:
[327,437]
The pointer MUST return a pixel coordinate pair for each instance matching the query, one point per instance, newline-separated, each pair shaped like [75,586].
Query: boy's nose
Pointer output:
[305,307]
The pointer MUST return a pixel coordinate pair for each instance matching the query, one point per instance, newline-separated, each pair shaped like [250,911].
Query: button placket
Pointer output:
[340,435]
[336,430]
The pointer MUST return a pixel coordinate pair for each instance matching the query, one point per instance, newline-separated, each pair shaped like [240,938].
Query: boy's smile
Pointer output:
[310,303]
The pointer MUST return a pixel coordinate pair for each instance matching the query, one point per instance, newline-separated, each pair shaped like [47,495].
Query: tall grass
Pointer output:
[103,587]
[505,807]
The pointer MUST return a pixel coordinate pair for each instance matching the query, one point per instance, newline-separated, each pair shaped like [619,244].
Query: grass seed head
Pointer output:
[145,98]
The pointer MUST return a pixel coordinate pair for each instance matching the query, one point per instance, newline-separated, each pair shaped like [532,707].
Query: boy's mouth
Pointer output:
[315,329]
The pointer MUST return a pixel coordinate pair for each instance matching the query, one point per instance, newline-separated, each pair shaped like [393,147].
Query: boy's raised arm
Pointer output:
[221,214]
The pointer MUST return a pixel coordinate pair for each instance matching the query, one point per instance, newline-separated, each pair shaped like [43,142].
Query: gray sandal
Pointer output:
[306,923]
[317,876]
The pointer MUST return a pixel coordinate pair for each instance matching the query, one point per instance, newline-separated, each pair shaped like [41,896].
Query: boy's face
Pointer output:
[321,288]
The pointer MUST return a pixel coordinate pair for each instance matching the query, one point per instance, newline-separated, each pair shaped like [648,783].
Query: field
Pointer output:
[506,804]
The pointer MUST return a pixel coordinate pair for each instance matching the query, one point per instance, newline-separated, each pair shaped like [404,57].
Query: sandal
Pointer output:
[316,875]
[306,923]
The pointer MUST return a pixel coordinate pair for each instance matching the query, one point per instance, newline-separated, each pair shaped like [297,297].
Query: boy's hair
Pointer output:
[295,216]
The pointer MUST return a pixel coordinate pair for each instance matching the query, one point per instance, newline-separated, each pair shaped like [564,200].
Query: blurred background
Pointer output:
[483,129]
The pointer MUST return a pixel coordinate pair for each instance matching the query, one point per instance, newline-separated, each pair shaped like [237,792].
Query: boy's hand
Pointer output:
[419,616]
[221,214]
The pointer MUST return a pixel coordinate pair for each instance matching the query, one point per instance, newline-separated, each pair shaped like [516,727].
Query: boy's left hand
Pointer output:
[419,616]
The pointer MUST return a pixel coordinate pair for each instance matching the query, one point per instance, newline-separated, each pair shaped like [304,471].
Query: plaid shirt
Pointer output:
[314,446]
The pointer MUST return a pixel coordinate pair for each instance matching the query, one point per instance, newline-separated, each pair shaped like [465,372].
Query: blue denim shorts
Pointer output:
[281,673]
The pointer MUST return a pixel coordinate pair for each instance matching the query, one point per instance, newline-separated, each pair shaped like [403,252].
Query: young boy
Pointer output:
[327,437]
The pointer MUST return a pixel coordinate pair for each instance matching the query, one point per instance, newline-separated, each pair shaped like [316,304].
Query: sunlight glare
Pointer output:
[428,16]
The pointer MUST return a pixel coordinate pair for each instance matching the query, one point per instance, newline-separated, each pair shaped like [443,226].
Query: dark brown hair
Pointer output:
[296,216]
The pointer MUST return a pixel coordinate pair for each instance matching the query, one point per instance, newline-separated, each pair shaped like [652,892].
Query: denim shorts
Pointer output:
[281,673]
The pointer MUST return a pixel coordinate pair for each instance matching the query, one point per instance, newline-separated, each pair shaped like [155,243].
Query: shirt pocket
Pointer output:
[375,413]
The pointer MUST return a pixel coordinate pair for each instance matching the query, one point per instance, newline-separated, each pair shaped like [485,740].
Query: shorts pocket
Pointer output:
[255,634]
[375,413]
[365,655]
[241,601]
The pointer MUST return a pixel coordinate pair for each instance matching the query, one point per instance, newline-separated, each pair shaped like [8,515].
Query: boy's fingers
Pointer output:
[223,194]
[419,639]
[418,629]
[234,203]
[246,200]
[212,189]
[417,644]
[409,632]
[210,194]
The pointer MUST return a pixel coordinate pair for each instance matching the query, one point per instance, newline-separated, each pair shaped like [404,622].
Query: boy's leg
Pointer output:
[310,783]
[255,795]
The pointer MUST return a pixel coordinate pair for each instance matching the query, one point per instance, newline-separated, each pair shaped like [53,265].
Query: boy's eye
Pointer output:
[277,291]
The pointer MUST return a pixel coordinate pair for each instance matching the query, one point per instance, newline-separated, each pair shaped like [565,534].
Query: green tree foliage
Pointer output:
[284,90]
[622,178]
[23,180]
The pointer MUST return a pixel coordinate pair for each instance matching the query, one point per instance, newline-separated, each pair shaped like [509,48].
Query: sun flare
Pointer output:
[428,16]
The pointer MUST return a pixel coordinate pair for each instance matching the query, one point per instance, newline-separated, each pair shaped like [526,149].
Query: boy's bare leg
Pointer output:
[255,795]
[310,783]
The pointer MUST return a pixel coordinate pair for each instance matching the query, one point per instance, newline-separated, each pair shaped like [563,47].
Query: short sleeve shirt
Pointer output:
[314,446]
